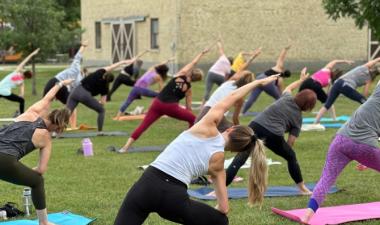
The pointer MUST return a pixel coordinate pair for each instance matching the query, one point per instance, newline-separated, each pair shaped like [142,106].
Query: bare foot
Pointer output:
[122,150]
[361,167]
[212,194]
[303,189]
[307,216]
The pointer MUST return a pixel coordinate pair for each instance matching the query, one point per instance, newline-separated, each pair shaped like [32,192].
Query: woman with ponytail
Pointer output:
[32,130]
[196,151]
[284,115]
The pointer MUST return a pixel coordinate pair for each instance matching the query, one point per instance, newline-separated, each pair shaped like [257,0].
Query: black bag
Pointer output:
[11,210]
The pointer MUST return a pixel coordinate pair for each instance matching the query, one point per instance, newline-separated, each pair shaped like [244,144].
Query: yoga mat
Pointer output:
[81,127]
[343,118]
[7,119]
[91,134]
[63,218]
[332,125]
[336,214]
[236,193]
[158,148]
[313,127]
[133,117]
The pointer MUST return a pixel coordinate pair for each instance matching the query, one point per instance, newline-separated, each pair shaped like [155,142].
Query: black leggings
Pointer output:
[121,79]
[340,87]
[11,170]
[275,143]
[158,192]
[81,95]
[16,98]
[315,86]
[63,93]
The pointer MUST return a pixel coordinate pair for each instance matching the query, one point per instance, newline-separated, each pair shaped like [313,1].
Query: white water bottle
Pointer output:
[3,215]
[27,199]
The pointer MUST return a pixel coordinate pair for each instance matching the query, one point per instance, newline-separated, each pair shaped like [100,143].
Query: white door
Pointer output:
[123,41]
[374,47]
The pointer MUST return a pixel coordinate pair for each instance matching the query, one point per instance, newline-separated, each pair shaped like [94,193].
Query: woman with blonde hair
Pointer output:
[32,130]
[197,151]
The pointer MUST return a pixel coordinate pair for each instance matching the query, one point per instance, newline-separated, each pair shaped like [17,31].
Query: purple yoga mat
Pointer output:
[336,214]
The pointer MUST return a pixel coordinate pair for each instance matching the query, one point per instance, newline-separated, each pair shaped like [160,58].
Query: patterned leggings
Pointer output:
[342,151]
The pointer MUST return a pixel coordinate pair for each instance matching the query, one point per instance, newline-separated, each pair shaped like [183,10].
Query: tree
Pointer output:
[364,12]
[36,24]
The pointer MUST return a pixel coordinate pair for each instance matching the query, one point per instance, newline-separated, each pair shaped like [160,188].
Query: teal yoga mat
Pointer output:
[343,118]
[62,218]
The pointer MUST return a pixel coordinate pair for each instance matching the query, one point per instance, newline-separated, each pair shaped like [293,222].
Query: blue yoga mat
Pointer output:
[236,193]
[333,125]
[62,218]
[343,118]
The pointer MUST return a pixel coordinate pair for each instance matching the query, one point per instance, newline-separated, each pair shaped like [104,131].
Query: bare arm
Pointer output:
[124,62]
[281,59]
[372,63]
[216,113]
[235,116]
[22,90]
[83,46]
[103,99]
[297,83]
[45,153]
[366,88]
[186,69]
[220,48]
[26,60]
[218,176]
[254,54]
[291,140]
[189,98]
[331,64]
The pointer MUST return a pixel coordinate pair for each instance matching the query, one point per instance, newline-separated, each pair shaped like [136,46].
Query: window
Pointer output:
[154,34]
[98,35]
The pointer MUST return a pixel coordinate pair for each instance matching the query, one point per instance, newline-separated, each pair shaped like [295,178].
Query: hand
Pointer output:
[361,167]
[257,51]
[350,62]
[205,50]
[288,47]
[37,170]
[304,75]
[268,80]
[142,53]
[35,52]
[67,82]
[84,43]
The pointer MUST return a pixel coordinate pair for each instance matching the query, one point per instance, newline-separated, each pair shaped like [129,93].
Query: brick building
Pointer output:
[119,29]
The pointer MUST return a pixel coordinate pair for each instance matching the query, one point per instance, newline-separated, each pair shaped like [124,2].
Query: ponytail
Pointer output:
[258,173]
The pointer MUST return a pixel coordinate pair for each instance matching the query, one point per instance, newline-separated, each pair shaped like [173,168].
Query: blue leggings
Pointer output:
[136,93]
[271,89]
[340,87]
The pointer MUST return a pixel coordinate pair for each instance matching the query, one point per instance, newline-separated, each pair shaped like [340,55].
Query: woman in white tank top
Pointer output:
[200,150]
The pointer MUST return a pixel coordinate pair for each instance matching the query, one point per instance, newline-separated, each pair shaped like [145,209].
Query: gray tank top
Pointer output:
[188,156]
[16,138]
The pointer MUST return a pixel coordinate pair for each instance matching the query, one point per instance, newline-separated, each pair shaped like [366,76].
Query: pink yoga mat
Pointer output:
[336,214]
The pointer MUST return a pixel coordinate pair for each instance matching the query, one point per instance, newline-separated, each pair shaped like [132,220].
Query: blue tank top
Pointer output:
[16,138]
[188,156]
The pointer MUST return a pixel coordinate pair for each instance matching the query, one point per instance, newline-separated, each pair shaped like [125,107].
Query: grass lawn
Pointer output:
[96,186]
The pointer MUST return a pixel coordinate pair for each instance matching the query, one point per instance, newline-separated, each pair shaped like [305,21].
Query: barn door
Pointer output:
[123,41]
[374,47]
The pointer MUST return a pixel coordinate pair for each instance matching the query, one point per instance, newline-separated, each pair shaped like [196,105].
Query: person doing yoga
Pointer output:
[167,101]
[128,75]
[95,84]
[31,130]
[284,115]
[356,140]
[14,79]
[73,72]
[347,84]
[324,78]
[274,89]
[199,150]
[156,74]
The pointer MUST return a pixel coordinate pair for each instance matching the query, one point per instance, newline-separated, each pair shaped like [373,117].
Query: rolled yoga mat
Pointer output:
[236,193]
[63,218]
[335,214]
[91,134]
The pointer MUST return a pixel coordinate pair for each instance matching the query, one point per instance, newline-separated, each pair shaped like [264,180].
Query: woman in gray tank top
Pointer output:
[199,150]
[30,131]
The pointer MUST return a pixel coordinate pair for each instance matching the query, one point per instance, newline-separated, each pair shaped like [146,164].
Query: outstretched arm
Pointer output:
[186,69]
[220,48]
[253,55]
[331,64]
[83,46]
[297,83]
[372,63]
[124,62]
[26,60]
[216,113]
[281,59]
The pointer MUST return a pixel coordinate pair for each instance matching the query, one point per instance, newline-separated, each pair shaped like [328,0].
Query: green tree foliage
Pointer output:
[364,12]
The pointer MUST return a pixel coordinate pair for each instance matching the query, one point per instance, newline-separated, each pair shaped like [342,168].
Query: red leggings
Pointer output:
[158,109]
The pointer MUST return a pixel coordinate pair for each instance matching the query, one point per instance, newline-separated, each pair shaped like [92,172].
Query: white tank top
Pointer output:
[188,156]
[224,90]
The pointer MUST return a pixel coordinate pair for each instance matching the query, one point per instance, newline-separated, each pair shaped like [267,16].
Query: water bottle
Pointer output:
[27,199]
[87,147]
[3,215]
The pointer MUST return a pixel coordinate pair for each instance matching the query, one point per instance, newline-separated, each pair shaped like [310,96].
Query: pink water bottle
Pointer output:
[87,147]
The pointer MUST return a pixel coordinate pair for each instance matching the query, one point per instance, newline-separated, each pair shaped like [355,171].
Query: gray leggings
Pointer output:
[81,95]
[211,79]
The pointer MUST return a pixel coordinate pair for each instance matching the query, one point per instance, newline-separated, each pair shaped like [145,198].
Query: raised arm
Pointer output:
[253,55]
[124,62]
[281,59]
[216,113]
[186,69]
[372,63]
[220,48]
[83,46]
[331,64]
[297,83]
[26,60]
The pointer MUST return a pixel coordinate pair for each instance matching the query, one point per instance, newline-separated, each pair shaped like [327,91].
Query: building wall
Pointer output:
[97,10]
